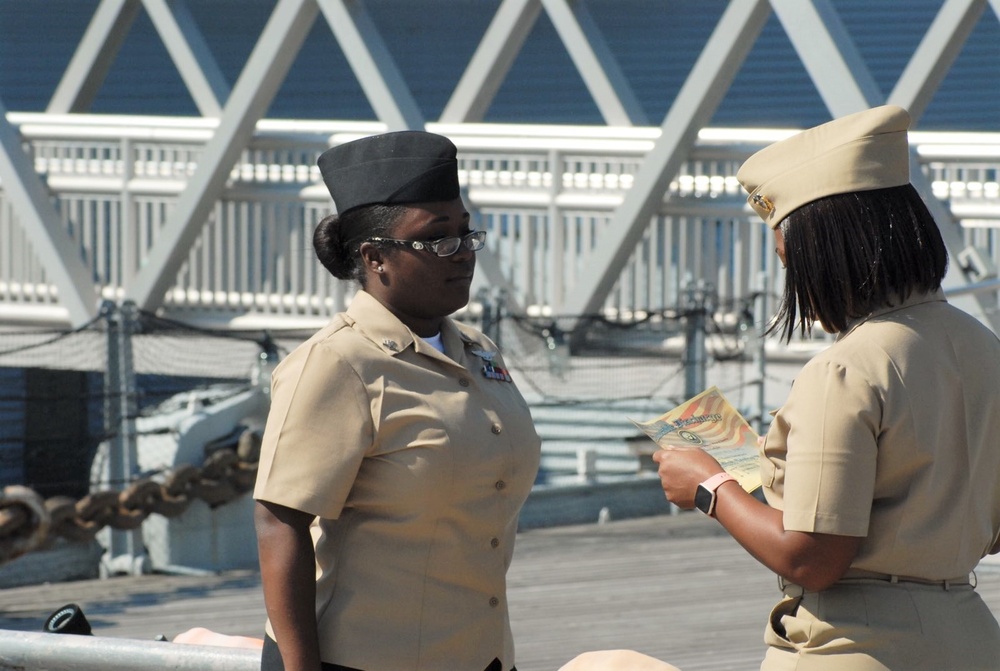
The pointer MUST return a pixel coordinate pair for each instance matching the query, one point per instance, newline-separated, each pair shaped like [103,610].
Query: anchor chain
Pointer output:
[29,522]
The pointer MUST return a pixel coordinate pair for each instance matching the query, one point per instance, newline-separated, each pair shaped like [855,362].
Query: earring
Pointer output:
[380,269]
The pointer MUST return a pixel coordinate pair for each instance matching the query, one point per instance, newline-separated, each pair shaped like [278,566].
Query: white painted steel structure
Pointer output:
[211,218]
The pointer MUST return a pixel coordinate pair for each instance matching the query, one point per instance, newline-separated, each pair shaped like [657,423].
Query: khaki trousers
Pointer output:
[874,625]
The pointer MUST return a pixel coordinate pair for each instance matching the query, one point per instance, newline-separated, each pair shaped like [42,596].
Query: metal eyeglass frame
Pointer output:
[473,241]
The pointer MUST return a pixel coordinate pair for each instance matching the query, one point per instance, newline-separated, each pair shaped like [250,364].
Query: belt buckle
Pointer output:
[789,588]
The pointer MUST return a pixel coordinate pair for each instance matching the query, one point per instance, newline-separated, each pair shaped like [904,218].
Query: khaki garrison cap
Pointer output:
[859,152]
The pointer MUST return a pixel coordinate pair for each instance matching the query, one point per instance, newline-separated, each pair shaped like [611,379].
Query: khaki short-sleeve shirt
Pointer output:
[416,464]
[893,434]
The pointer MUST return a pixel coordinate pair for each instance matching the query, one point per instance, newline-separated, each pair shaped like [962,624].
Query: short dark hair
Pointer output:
[850,254]
[337,238]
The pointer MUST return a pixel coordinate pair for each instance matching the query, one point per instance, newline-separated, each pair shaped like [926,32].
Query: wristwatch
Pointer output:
[704,498]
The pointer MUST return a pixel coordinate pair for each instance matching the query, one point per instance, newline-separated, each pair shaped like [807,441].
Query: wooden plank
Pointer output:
[672,586]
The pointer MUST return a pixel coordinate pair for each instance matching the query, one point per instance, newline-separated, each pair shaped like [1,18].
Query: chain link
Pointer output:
[28,522]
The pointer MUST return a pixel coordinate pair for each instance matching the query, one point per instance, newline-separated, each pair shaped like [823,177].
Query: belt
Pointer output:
[860,575]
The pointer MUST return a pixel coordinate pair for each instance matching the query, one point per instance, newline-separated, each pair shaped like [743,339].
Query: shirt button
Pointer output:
[463,382]
[495,543]
[496,429]
[501,484]
[494,602]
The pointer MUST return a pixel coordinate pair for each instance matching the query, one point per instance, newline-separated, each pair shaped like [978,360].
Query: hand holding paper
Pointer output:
[681,470]
[710,423]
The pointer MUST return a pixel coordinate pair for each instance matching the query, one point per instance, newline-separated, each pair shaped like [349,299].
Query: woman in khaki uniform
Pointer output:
[881,470]
[398,452]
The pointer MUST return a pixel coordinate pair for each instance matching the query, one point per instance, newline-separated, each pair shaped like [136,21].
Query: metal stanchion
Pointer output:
[124,549]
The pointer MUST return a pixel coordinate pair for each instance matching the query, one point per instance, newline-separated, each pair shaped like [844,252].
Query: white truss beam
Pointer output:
[276,49]
[93,56]
[826,50]
[491,62]
[57,252]
[815,30]
[696,102]
[935,54]
[595,63]
[489,275]
[584,42]
[190,53]
[372,64]
[107,32]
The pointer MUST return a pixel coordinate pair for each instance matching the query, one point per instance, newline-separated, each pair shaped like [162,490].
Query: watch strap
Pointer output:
[705,497]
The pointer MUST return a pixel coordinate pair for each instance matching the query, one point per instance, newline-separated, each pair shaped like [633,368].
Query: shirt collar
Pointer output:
[381,326]
[386,330]
[916,298]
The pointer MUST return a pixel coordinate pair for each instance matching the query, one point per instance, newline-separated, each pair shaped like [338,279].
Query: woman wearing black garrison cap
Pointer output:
[398,451]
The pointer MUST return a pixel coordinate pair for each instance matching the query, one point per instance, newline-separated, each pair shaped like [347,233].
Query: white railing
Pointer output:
[31,651]
[545,193]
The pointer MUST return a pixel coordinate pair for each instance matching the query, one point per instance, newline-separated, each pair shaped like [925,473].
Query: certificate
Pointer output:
[708,421]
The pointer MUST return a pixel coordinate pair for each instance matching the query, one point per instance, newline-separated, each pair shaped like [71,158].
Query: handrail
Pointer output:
[546,193]
[41,651]
[932,144]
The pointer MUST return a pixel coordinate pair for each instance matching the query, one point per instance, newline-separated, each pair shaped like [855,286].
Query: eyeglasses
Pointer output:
[473,241]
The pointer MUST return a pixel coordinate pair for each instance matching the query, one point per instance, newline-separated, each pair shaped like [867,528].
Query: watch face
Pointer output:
[703,500]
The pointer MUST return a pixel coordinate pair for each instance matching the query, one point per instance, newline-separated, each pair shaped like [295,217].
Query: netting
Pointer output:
[636,359]
[60,396]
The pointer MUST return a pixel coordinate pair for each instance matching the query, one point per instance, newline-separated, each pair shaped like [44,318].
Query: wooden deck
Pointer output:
[671,586]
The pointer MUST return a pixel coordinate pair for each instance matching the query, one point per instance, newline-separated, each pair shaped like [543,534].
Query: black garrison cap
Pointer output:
[392,168]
